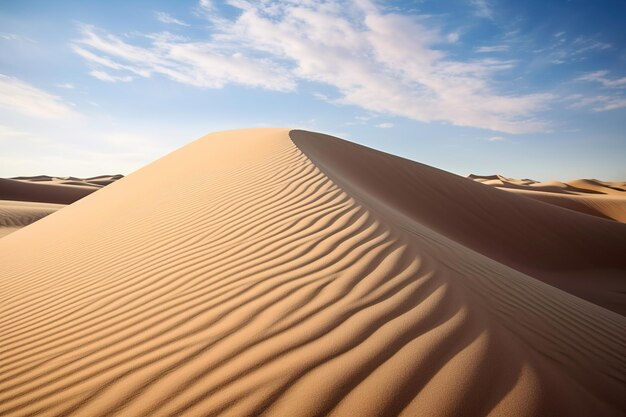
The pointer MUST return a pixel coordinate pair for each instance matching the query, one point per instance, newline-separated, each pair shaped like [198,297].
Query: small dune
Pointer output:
[283,272]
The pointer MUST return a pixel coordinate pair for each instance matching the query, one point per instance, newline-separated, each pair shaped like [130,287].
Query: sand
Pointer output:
[289,273]
[24,200]
[603,199]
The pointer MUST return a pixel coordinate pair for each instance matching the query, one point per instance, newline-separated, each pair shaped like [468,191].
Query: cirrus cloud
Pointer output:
[19,96]
[380,61]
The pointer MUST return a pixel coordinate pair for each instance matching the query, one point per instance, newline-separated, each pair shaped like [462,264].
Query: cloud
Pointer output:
[385,125]
[380,61]
[168,19]
[496,139]
[613,94]
[15,37]
[601,77]
[598,103]
[21,97]
[205,65]
[562,50]
[482,8]
[494,48]
[582,45]
[104,76]
[67,86]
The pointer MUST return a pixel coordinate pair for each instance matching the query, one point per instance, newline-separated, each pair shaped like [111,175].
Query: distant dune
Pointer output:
[290,273]
[24,200]
[598,198]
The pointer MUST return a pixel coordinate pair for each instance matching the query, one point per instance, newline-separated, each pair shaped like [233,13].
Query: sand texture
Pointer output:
[289,273]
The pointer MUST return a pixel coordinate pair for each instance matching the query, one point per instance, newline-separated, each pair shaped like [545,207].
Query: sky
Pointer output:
[533,89]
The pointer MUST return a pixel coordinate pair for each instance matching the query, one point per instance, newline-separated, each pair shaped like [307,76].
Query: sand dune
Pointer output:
[16,214]
[289,273]
[597,198]
[24,200]
[45,189]
[575,187]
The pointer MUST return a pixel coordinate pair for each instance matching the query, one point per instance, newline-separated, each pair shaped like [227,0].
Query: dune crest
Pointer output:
[289,273]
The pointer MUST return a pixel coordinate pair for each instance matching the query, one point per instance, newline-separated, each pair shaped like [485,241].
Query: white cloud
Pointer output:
[168,19]
[383,62]
[21,97]
[494,48]
[105,76]
[385,125]
[67,86]
[206,65]
[495,139]
[582,45]
[601,77]
[561,50]
[598,103]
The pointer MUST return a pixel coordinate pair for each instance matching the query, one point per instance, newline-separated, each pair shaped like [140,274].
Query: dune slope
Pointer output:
[263,272]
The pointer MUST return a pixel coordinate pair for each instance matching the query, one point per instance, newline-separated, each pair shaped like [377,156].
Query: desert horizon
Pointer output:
[26,199]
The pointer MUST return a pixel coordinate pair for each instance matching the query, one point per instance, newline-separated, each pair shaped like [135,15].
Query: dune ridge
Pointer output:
[265,272]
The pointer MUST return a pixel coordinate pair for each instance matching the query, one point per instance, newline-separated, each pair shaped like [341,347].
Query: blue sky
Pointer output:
[525,89]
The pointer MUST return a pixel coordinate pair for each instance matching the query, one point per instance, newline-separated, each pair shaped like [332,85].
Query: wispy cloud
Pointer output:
[597,103]
[582,45]
[105,76]
[67,86]
[15,37]
[168,19]
[21,97]
[602,78]
[494,48]
[612,93]
[380,61]
[385,125]
[206,65]
[495,139]
[563,50]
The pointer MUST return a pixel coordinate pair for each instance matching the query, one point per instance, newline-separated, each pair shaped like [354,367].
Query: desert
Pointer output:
[285,272]
[283,208]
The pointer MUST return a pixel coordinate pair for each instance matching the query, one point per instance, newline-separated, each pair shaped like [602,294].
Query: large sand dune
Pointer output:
[288,273]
